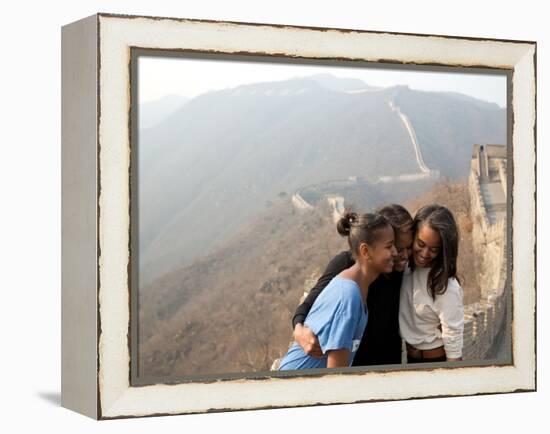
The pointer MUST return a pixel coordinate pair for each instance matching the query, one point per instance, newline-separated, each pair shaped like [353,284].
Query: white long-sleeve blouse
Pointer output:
[426,324]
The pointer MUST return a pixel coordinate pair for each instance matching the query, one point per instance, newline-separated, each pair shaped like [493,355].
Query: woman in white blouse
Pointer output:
[431,308]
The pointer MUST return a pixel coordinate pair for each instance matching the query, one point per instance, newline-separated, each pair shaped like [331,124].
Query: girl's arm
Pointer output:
[451,315]
[338,358]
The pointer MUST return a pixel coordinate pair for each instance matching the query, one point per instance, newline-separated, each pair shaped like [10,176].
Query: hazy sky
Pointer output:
[191,77]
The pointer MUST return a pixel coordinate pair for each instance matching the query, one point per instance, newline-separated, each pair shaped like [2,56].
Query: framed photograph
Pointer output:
[232,190]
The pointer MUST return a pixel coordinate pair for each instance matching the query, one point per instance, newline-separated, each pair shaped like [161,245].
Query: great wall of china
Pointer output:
[484,320]
[488,192]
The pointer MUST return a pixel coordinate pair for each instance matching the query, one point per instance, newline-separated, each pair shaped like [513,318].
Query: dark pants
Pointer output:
[421,360]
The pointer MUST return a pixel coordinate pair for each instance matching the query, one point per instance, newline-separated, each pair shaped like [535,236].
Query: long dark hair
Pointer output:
[441,220]
[361,228]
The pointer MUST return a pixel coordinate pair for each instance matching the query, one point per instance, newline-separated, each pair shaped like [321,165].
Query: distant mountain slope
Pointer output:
[448,125]
[211,166]
[329,81]
[153,112]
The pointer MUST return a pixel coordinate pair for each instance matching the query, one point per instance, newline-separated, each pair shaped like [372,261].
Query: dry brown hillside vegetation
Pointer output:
[231,311]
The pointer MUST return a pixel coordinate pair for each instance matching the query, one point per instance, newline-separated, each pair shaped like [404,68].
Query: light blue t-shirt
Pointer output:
[338,318]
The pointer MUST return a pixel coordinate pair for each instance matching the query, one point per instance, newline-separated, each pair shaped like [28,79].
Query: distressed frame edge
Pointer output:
[528,385]
[79,131]
[304,27]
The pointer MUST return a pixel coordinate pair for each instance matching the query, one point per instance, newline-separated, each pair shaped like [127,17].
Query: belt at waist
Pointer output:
[433,353]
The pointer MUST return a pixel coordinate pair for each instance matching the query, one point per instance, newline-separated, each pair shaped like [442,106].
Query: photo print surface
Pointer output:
[243,167]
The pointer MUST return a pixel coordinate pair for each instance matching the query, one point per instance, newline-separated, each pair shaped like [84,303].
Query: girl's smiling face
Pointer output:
[426,246]
[383,253]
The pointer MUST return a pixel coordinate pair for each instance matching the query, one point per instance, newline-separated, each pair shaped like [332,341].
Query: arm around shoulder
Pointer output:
[339,263]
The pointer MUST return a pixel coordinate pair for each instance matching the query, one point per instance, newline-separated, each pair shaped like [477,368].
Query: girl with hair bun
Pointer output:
[431,309]
[338,316]
[381,342]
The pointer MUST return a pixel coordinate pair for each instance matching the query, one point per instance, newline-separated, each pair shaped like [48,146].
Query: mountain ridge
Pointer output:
[225,154]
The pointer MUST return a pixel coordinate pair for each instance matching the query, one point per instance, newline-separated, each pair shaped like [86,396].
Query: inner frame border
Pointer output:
[136,53]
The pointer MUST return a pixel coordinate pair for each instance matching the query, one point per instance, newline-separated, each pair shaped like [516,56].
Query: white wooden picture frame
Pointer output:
[96,160]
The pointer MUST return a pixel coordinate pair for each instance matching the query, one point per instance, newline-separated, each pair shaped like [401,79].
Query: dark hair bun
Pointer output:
[344,224]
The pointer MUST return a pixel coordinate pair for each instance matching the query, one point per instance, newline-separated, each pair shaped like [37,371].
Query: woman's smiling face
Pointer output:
[426,246]
[403,245]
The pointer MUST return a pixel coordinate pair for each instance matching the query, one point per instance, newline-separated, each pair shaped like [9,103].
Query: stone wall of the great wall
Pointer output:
[484,320]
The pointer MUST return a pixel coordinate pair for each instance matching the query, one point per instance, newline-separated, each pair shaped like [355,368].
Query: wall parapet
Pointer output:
[300,203]
[503,177]
[478,209]
[484,320]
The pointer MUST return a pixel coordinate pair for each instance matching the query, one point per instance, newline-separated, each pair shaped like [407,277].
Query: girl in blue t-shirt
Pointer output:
[339,315]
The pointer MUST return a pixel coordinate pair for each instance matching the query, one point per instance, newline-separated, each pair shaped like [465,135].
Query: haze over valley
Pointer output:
[221,158]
